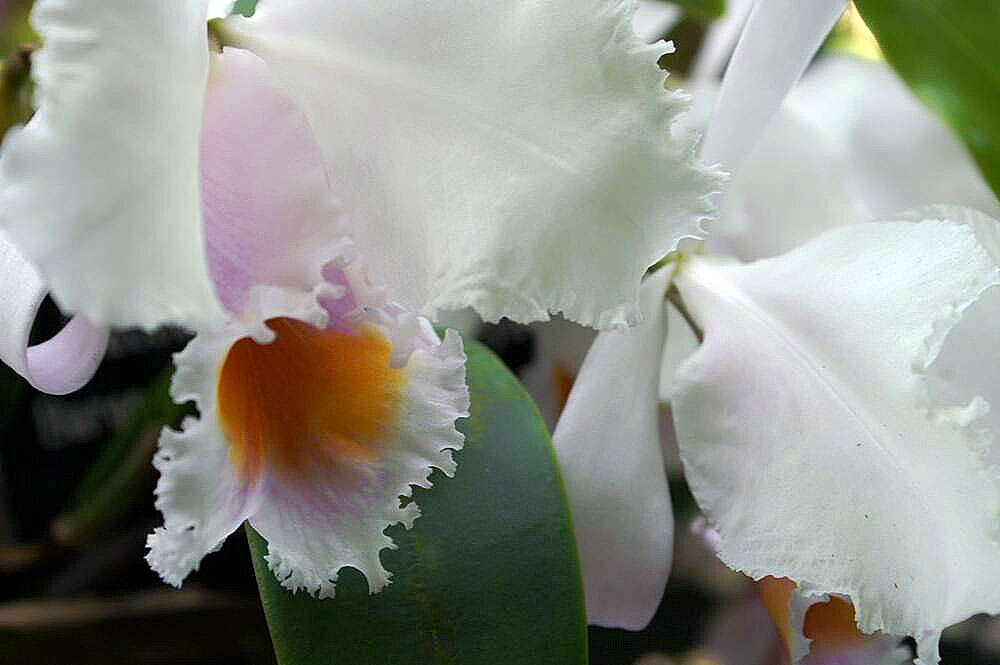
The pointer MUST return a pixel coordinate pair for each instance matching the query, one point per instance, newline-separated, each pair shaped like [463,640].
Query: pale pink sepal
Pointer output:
[270,217]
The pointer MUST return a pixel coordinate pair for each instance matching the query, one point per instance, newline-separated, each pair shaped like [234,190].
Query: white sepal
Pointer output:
[608,443]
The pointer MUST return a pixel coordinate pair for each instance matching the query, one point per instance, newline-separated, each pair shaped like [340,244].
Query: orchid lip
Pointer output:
[308,399]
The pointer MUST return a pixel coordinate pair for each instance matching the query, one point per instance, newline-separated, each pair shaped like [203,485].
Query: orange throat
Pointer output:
[309,400]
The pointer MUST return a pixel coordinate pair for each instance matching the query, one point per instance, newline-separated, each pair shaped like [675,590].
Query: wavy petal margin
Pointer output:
[515,157]
[329,508]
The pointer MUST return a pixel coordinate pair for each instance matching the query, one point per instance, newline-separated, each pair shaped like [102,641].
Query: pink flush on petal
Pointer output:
[341,307]
[269,217]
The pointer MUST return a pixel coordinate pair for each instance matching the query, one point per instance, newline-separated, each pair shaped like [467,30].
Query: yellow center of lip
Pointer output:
[309,399]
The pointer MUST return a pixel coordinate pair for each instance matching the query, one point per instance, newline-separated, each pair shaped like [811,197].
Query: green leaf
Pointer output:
[702,10]
[487,576]
[946,51]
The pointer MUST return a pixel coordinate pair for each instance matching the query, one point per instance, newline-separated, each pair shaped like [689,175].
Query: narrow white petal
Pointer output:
[808,434]
[59,365]
[100,188]
[608,443]
[514,157]
[778,41]
[796,182]
[720,40]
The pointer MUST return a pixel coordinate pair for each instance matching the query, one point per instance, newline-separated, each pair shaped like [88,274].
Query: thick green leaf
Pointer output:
[487,576]
[946,51]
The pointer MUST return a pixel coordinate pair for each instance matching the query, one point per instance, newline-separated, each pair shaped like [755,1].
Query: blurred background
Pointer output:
[76,495]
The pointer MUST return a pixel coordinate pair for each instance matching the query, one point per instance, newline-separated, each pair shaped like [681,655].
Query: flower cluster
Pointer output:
[310,188]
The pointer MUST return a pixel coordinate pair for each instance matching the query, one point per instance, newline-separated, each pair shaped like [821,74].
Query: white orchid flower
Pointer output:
[512,157]
[830,426]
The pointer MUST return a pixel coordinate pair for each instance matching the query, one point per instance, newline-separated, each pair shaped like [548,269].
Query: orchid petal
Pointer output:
[899,154]
[474,144]
[967,365]
[59,365]
[809,437]
[720,40]
[794,185]
[608,443]
[100,188]
[200,493]
[270,217]
[778,41]
[850,144]
[797,164]
[311,433]
[311,536]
